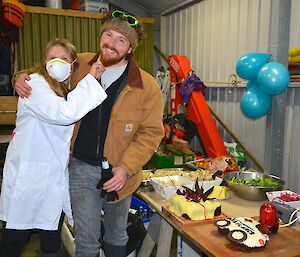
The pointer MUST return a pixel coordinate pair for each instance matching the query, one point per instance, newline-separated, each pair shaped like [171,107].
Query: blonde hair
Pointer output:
[59,88]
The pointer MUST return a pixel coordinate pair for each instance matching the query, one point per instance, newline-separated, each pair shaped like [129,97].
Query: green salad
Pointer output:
[266,182]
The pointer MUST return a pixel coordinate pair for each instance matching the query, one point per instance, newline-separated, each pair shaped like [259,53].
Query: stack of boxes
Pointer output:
[173,155]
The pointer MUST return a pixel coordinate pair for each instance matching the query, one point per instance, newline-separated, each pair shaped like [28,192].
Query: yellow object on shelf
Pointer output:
[294,51]
[295,59]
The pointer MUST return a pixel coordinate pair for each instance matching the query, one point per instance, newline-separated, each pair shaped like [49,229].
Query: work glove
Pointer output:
[105,176]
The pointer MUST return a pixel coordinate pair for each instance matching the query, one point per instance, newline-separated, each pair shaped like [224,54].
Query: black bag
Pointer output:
[135,230]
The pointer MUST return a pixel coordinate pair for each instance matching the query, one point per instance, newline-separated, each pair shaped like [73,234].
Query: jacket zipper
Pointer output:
[98,138]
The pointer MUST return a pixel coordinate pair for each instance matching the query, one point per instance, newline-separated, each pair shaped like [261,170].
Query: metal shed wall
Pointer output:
[81,28]
[214,34]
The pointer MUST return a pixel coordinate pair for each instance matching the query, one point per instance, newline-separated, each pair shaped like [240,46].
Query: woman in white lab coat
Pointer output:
[35,187]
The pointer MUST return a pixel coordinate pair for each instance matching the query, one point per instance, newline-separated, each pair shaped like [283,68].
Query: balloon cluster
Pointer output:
[265,79]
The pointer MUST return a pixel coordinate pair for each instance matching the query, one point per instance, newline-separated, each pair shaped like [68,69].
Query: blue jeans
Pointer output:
[86,207]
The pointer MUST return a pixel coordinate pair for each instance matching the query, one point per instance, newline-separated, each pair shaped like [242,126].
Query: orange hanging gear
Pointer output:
[197,109]
[13,12]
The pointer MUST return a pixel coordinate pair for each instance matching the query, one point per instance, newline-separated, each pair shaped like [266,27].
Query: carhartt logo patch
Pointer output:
[128,127]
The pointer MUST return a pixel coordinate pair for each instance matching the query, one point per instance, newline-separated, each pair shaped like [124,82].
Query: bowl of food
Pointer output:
[252,185]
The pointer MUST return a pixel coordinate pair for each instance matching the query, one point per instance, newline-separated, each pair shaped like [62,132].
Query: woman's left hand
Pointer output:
[97,69]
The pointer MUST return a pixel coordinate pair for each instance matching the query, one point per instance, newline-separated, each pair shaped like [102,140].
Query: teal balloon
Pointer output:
[255,103]
[249,65]
[273,78]
[251,83]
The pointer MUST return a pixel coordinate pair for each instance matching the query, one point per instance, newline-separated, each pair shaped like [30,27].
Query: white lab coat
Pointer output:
[35,187]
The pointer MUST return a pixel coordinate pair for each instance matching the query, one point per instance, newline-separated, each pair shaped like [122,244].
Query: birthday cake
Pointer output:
[194,205]
[243,231]
[201,210]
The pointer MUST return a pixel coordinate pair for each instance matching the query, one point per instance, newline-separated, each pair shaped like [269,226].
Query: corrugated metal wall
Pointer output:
[294,25]
[81,28]
[291,148]
[214,34]
[291,164]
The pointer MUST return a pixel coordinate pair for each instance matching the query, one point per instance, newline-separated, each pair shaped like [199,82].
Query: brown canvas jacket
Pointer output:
[135,127]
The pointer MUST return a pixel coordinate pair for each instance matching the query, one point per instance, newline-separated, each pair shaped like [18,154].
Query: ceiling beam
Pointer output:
[182,5]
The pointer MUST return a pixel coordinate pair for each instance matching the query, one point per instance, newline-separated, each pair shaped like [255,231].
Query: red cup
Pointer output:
[269,218]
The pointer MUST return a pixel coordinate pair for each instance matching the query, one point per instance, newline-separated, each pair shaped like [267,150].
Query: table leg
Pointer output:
[165,239]
[159,232]
[147,246]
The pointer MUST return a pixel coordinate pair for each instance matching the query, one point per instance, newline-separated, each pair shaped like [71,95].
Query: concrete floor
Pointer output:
[32,249]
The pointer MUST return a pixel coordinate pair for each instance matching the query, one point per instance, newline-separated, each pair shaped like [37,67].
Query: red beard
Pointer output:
[109,61]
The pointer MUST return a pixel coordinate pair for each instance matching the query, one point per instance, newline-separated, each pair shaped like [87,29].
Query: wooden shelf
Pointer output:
[73,13]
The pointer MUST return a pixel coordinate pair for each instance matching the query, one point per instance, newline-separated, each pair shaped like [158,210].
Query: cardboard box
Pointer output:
[181,145]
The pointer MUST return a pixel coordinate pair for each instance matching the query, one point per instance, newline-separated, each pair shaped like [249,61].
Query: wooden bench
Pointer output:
[8,110]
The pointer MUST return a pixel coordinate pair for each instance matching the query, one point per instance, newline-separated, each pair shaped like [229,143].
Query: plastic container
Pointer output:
[274,196]
[138,205]
[94,6]
[168,191]
[56,4]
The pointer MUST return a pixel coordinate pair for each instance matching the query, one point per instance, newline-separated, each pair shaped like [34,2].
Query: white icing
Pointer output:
[179,205]
[237,235]
[254,237]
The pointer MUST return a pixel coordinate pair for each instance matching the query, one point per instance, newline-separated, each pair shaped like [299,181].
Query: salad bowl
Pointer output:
[252,185]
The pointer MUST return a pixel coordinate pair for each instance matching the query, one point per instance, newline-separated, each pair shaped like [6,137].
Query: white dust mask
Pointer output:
[58,69]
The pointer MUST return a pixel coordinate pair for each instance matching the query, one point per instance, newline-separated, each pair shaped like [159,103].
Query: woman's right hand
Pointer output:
[97,69]
[21,87]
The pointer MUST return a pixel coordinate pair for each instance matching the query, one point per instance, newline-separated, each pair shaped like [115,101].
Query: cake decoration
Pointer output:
[194,205]
[243,231]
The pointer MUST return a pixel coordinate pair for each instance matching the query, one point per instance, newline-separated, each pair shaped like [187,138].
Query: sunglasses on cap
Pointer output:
[132,21]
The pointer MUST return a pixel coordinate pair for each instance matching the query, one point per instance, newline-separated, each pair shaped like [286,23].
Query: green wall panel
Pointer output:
[43,24]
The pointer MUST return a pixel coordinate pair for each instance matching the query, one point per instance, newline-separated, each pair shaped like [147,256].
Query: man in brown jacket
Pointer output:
[126,129]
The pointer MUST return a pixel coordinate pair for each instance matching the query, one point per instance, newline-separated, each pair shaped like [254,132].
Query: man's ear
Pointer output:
[129,50]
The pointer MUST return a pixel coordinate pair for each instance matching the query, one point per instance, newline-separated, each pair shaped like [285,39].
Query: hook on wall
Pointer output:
[232,82]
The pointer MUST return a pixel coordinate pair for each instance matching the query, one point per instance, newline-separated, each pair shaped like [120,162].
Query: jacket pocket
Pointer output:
[33,178]
[125,127]
[128,122]
[29,199]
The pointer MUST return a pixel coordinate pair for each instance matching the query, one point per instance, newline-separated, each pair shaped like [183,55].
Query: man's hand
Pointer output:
[117,182]
[21,87]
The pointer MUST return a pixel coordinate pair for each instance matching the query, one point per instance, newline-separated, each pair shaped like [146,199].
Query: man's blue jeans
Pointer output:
[87,205]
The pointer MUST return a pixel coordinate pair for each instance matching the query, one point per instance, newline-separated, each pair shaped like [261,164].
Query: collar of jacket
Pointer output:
[134,75]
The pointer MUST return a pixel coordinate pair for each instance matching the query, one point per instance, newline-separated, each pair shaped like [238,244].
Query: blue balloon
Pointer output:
[249,65]
[255,103]
[251,83]
[273,78]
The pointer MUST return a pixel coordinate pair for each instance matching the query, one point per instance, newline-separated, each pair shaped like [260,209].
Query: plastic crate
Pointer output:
[162,160]
[137,204]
